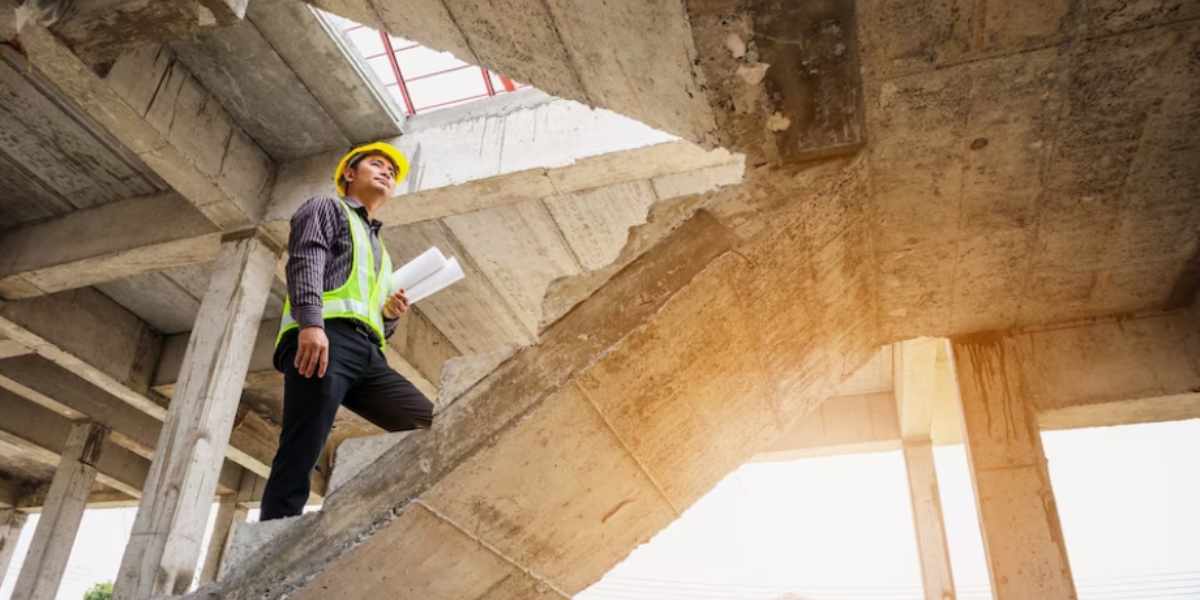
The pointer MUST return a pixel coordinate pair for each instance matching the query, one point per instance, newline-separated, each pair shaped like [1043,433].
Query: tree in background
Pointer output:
[100,591]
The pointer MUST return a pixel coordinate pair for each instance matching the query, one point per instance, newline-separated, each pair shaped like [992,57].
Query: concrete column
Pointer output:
[165,544]
[11,523]
[936,577]
[1022,535]
[229,514]
[54,537]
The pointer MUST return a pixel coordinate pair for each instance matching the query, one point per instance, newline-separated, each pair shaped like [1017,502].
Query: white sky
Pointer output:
[841,527]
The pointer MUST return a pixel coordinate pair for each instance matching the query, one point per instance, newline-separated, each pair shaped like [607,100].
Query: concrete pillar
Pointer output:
[936,577]
[229,514]
[54,537]
[165,544]
[1022,536]
[11,523]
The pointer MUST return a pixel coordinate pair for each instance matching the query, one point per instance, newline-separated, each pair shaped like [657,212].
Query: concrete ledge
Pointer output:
[355,454]
[250,538]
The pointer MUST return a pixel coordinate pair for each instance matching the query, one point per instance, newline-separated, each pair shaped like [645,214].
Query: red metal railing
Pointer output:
[401,82]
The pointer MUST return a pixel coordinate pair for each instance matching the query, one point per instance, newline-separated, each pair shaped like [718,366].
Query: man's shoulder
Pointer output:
[319,206]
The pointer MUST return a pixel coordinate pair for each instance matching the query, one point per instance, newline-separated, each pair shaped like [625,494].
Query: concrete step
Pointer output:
[250,538]
[355,454]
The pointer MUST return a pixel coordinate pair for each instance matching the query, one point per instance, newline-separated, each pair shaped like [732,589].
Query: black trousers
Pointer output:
[359,378]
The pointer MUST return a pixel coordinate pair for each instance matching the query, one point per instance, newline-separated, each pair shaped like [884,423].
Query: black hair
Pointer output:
[357,158]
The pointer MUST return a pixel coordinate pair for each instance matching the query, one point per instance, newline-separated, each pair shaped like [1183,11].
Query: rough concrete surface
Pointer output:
[903,170]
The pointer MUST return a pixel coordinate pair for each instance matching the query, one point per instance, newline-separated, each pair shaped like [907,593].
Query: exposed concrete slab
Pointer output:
[183,133]
[295,32]
[98,34]
[63,157]
[1081,241]
[239,65]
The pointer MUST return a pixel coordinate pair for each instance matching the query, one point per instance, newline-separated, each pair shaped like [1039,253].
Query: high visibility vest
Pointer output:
[364,292]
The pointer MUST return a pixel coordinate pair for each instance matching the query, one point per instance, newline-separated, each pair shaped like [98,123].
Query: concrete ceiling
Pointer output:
[1009,171]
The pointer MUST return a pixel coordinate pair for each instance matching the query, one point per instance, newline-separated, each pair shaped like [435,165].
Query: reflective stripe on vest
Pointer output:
[362,295]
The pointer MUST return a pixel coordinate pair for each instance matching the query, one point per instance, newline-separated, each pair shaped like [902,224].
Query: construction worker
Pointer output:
[337,317]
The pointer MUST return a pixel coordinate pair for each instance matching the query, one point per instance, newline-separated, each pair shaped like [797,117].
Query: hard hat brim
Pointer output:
[397,157]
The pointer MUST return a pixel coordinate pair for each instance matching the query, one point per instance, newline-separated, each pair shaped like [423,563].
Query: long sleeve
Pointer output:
[309,242]
[389,326]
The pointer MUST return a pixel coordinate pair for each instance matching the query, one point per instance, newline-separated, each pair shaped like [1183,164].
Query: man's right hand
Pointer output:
[312,355]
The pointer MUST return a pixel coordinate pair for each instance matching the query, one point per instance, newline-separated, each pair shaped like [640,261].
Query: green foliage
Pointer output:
[100,591]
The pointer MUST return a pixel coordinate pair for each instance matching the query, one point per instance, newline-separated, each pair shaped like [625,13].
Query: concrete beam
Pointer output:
[165,543]
[915,382]
[151,105]
[536,148]
[840,425]
[1095,374]
[35,501]
[1022,535]
[11,348]
[45,433]
[521,161]
[62,392]
[87,334]
[42,571]
[102,244]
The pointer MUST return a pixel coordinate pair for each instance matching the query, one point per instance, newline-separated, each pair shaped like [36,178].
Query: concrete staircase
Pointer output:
[355,455]
[539,477]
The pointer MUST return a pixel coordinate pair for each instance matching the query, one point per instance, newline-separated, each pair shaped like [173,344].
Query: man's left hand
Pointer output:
[396,305]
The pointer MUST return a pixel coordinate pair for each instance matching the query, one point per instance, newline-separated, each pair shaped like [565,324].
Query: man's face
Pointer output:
[374,172]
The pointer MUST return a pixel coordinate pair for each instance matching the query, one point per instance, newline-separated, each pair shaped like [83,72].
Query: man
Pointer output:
[337,316]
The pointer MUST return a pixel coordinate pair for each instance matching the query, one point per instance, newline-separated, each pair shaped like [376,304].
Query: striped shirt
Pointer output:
[321,254]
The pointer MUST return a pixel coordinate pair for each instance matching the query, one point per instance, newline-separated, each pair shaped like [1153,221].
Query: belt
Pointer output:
[362,328]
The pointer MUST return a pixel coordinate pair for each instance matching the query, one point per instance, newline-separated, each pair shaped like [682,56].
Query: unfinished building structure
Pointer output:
[656,292]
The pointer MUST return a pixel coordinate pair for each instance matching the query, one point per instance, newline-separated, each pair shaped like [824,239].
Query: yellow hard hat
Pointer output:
[388,150]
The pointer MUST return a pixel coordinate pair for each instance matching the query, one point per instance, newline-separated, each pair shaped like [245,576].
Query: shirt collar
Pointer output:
[362,210]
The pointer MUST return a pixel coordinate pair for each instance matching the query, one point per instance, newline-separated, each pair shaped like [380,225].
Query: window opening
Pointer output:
[421,79]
